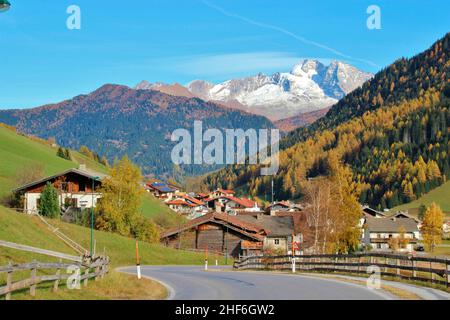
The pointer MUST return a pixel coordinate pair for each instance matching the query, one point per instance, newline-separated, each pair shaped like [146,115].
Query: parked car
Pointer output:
[419,247]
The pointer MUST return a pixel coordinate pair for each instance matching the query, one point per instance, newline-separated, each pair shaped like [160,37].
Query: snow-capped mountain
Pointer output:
[310,86]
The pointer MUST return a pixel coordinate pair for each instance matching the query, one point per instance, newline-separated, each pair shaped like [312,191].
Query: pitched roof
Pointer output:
[180,202]
[161,186]
[372,212]
[85,172]
[391,225]
[285,204]
[242,201]
[273,225]
[401,215]
[226,191]
[193,200]
[249,229]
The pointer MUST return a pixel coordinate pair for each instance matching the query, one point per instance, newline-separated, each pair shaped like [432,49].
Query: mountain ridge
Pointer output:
[309,86]
[392,133]
[115,120]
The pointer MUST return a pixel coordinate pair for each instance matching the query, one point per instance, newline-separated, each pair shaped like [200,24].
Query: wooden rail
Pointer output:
[50,253]
[434,270]
[96,269]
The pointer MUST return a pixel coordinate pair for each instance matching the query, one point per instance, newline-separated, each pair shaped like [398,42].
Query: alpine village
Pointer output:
[367,176]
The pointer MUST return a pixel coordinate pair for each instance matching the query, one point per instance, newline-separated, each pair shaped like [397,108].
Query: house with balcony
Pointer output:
[77,189]
[380,233]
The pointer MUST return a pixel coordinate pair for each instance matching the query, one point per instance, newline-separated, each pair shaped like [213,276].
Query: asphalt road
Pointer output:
[193,283]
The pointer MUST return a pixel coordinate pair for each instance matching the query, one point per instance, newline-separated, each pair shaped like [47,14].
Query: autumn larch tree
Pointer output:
[119,208]
[432,226]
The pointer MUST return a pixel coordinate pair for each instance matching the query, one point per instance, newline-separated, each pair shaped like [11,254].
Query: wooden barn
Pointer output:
[234,235]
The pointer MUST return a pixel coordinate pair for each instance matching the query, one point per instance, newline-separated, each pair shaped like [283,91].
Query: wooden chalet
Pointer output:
[186,205]
[221,192]
[161,190]
[234,235]
[74,188]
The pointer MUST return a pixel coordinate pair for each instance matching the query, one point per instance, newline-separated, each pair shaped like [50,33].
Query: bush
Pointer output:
[48,204]
[145,230]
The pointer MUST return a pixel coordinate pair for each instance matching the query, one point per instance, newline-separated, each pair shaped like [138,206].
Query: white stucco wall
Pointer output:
[84,200]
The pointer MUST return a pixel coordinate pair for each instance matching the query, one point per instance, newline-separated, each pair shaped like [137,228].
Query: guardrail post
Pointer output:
[9,281]
[33,279]
[58,274]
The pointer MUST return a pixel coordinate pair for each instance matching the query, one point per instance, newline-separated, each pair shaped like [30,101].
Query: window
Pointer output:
[82,187]
[277,241]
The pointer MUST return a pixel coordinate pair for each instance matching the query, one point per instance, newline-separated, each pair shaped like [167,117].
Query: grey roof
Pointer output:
[372,211]
[391,225]
[85,172]
[401,215]
[275,226]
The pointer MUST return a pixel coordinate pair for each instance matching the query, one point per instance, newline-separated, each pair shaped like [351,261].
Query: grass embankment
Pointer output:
[24,229]
[440,196]
[442,250]
[18,151]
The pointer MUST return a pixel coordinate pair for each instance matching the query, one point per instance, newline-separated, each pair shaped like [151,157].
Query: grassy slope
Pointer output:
[20,228]
[440,195]
[17,151]
[28,230]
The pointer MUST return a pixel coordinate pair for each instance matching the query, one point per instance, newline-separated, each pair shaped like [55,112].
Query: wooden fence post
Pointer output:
[103,268]
[33,279]
[398,264]
[386,263]
[9,278]
[447,272]
[414,268]
[431,271]
[58,274]
[97,269]
[86,273]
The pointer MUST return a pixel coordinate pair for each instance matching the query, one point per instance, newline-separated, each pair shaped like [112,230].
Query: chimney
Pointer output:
[82,167]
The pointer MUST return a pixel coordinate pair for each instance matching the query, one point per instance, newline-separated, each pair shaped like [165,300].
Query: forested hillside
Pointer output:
[393,133]
[115,120]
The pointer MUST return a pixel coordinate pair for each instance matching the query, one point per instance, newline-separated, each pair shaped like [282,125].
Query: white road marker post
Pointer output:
[206,259]
[293,264]
[138,262]
[293,253]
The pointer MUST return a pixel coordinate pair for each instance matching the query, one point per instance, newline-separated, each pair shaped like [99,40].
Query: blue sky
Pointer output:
[125,42]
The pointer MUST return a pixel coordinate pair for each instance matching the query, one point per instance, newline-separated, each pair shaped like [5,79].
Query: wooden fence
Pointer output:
[88,269]
[434,270]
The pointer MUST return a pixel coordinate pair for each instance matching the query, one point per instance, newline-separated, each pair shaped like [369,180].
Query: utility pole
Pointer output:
[92,216]
[272,191]
[226,243]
